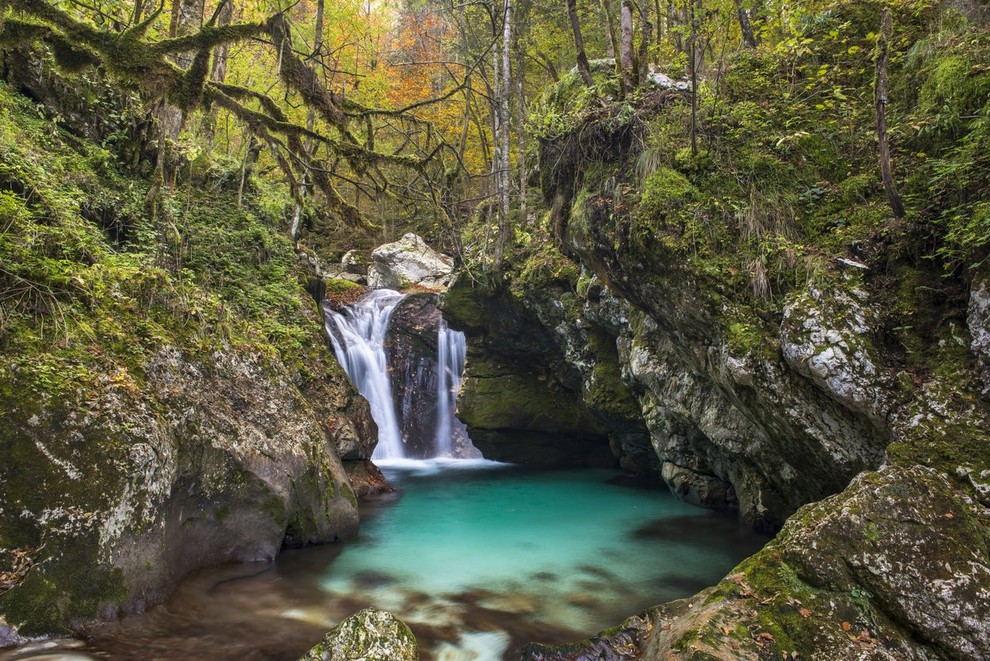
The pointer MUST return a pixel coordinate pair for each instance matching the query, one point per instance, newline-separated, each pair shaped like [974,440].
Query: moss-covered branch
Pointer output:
[209,37]
[132,58]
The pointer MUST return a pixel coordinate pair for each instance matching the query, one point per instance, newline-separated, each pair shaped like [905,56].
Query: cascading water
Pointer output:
[451,352]
[359,342]
[396,392]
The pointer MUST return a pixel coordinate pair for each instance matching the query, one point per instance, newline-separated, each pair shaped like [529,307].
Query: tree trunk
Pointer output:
[645,36]
[187,17]
[745,26]
[693,47]
[503,103]
[521,129]
[310,123]
[626,45]
[582,59]
[218,72]
[658,33]
[880,97]
[613,42]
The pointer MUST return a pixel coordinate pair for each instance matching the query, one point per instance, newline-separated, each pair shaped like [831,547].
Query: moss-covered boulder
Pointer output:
[116,493]
[896,566]
[368,635]
[409,262]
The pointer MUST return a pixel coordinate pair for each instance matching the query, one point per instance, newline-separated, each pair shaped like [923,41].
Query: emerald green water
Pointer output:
[484,556]
[478,558]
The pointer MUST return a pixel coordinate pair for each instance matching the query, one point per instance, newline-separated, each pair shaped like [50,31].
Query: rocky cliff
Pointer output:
[792,349]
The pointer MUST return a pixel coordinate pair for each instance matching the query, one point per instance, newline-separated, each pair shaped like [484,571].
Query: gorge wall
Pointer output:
[791,350]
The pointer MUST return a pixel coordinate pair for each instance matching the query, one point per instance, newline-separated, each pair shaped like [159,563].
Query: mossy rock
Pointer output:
[368,635]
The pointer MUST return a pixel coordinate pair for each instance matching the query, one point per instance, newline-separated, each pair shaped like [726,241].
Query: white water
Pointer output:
[360,347]
[358,336]
[451,352]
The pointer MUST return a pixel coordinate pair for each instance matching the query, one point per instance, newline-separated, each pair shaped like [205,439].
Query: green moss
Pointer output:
[495,397]
[274,507]
[544,267]
[606,391]
[745,334]
[349,494]
[665,190]
[72,587]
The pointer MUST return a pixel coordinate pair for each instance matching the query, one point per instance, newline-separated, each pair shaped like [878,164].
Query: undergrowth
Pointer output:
[91,284]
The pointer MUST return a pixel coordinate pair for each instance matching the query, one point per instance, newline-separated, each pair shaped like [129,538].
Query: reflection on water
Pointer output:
[477,557]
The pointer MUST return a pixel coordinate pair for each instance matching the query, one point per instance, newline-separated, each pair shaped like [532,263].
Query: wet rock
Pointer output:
[538,387]
[367,479]
[355,262]
[368,635]
[698,489]
[407,262]
[412,350]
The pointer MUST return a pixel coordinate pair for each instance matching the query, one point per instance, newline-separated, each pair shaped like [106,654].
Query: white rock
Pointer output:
[409,261]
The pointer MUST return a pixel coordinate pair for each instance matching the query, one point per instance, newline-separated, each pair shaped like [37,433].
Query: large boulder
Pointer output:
[408,262]
[537,388]
[368,635]
[112,493]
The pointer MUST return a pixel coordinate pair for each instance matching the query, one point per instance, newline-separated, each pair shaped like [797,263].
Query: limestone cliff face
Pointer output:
[115,494]
[845,408]
[538,387]
[763,429]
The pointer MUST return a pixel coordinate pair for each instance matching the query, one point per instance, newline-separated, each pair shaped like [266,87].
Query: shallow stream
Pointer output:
[477,557]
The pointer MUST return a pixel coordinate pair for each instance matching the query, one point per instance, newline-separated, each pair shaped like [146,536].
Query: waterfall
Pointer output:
[360,347]
[451,351]
[413,398]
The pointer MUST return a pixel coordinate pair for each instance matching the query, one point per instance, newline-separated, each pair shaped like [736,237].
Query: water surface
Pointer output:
[477,557]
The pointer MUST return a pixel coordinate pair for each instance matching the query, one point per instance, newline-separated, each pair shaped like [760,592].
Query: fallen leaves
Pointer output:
[805,612]
[745,591]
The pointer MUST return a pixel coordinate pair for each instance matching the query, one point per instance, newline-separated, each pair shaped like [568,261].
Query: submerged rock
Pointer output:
[896,566]
[407,262]
[368,635]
